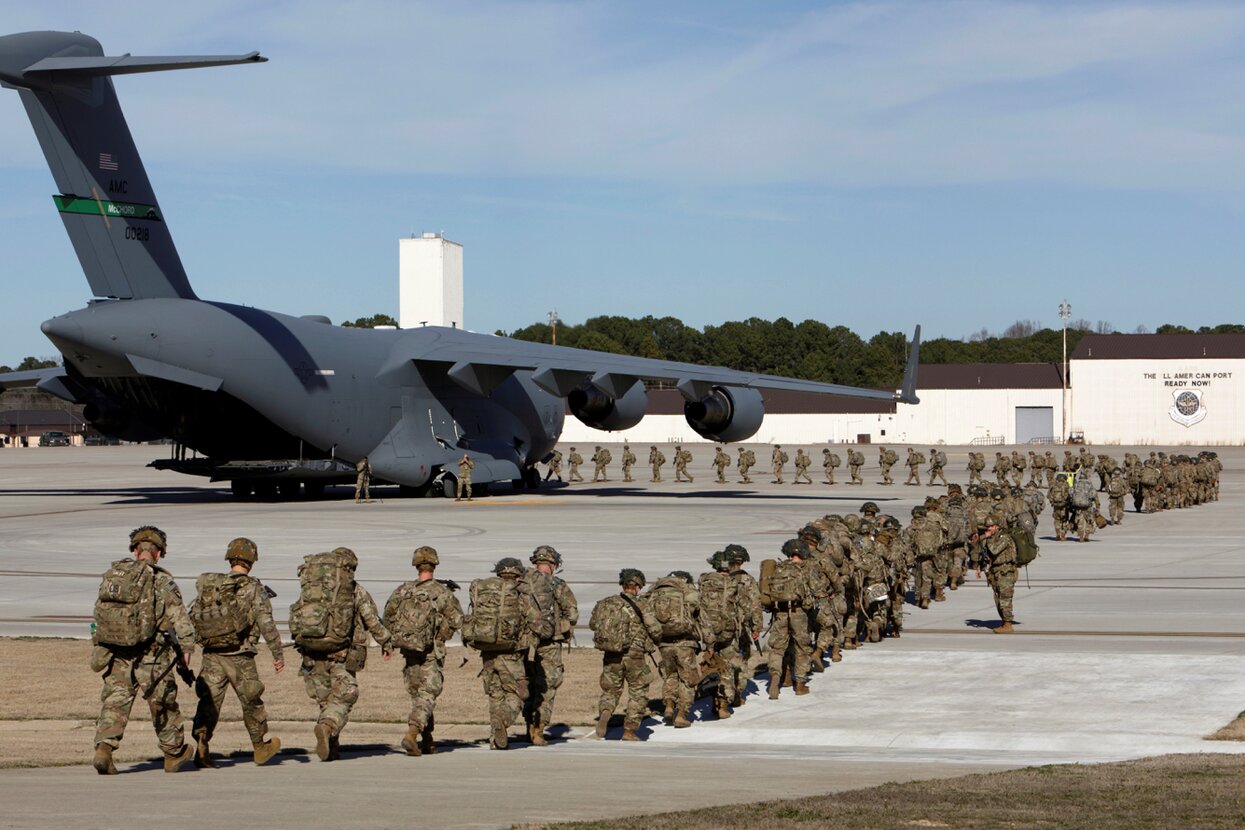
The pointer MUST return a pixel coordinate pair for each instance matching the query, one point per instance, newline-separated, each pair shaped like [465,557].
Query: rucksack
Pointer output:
[542,605]
[957,524]
[670,607]
[891,456]
[782,458]
[1082,493]
[835,461]
[125,610]
[1026,546]
[750,458]
[926,533]
[606,457]
[611,624]
[855,458]
[977,462]
[322,618]
[410,615]
[1018,461]
[1149,476]
[940,458]
[496,621]
[781,581]
[918,458]
[220,621]
[718,612]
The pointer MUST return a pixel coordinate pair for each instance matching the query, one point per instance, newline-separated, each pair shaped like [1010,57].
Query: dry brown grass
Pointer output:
[1234,731]
[1173,791]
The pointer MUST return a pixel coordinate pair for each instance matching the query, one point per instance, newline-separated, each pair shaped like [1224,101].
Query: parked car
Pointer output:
[54,439]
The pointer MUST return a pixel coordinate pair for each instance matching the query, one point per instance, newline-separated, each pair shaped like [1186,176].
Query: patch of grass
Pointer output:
[1185,791]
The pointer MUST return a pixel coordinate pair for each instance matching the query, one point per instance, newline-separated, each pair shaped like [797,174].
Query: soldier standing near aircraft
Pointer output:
[802,462]
[720,462]
[628,461]
[744,463]
[555,465]
[574,460]
[137,651]
[600,458]
[778,460]
[363,480]
[656,458]
[465,466]
[229,658]
[682,458]
[675,603]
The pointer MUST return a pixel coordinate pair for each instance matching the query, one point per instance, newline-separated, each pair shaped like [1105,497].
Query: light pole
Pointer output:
[1065,311]
[553,325]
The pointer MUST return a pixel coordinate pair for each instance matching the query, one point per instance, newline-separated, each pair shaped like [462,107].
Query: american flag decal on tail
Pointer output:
[106,162]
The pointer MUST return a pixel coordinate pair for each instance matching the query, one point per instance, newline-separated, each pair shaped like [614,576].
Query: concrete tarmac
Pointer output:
[1130,645]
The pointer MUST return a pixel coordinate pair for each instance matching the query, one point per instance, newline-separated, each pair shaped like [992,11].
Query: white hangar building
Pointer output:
[1163,389]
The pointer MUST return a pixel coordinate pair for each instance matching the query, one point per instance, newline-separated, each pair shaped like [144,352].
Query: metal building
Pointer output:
[430,282]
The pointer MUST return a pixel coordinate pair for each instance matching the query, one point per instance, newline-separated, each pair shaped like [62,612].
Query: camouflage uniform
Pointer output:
[330,678]
[545,671]
[751,624]
[680,672]
[720,462]
[1002,574]
[828,464]
[935,468]
[802,463]
[465,466]
[236,668]
[1002,465]
[914,468]
[629,667]
[788,629]
[628,461]
[722,646]
[744,464]
[682,458]
[855,460]
[555,466]
[1052,467]
[886,466]
[1117,488]
[1058,498]
[363,480]
[656,458]
[777,462]
[574,460]
[599,459]
[129,672]
[1018,468]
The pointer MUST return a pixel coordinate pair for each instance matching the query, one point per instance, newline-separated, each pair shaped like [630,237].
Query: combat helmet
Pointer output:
[348,557]
[683,575]
[870,507]
[631,576]
[852,521]
[736,553]
[919,511]
[425,555]
[546,554]
[242,550]
[152,534]
[796,547]
[508,566]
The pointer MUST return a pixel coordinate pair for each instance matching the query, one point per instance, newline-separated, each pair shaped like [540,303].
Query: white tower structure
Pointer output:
[430,282]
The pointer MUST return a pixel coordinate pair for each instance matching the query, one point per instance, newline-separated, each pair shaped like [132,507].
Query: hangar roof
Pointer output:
[1158,346]
[988,376]
[40,417]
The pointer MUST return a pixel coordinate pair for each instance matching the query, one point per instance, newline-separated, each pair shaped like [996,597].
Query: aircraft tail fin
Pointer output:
[907,387]
[105,200]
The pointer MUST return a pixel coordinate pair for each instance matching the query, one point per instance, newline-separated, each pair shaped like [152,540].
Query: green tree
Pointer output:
[32,363]
[371,322]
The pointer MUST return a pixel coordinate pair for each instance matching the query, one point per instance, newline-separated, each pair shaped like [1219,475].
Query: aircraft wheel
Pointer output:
[241,488]
[449,486]
[533,478]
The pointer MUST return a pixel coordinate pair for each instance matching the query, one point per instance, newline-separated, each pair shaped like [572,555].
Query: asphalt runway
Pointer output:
[1130,645]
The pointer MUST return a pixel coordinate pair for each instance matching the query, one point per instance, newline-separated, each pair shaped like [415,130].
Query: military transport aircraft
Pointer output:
[279,402]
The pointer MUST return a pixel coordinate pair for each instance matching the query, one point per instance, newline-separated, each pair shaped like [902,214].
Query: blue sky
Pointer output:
[957,164]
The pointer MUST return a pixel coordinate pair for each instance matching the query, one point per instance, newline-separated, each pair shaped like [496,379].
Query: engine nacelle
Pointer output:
[109,419]
[600,411]
[727,413]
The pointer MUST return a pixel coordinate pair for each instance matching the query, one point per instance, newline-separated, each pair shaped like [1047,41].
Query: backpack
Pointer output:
[977,462]
[1149,476]
[125,610]
[855,458]
[606,457]
[661,458]
[611,625]
[780,581]
[1082,493]
[940,459]
[957,524]
[1026,547]
[542,605]
[918,458]
[750,458]
[717,606]
[220,621]
[926,533]
[410,615]
[322,618]
[1018,461]
[669,598]
[782,458]
[891,457]
[835,461]
[496,621]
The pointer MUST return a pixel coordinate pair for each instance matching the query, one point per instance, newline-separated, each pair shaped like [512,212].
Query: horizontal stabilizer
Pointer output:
[134,64]
[21,380]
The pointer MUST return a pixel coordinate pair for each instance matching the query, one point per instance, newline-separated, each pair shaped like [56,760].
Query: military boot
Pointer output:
[410,742]
[668,714]
[335,748]
[629,734]
[500,739]
[1005,628]
[801,688]
[536,734]
[603,724]
[103,760]
[681,720]
[774,689]
[817,665]
[175,761]
[939,596]
[426,743]
[203,756]
[266,751]
[723,711]
[836,653]
[323,731]
[738,701]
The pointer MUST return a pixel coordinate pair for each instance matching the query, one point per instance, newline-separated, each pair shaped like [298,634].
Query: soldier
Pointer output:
[978,513]
[422,614]
[1002,466]
[1002,571]
[926,539]
[1070,462]
[744,464]
[465,466]
[682,458]
[789,597]
[600,458]
[976,463]
[1051,466]
[136,654]
[720,623]
[1117,488]
[720,462]
[855,460]
[625,629]
[751,619]
[942,556]
[656,458]
[363,480]
[628,461]
[329,677]
[886,460]
[1018,468]
[802,462]
[574,460]
[937,460]
[956,514]
[914,468]
[1058,497]
[1036,463]
[545,669]
[231,660]
[505,682]
[829,461]
[676,605]
[555,465]
[778,460]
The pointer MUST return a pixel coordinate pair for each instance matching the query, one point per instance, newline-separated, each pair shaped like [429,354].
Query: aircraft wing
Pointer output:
[54,381]
[481,364]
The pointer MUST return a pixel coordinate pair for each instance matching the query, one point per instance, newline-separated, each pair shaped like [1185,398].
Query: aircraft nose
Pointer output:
[62,329]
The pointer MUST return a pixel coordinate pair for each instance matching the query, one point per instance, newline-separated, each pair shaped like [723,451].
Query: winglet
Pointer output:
[907,389]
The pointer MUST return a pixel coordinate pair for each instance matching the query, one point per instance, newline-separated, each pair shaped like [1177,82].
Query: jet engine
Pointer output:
[108,418]
[600,411]
[727,413]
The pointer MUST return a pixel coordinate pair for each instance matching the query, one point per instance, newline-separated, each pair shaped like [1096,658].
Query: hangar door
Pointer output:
[1034,422]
